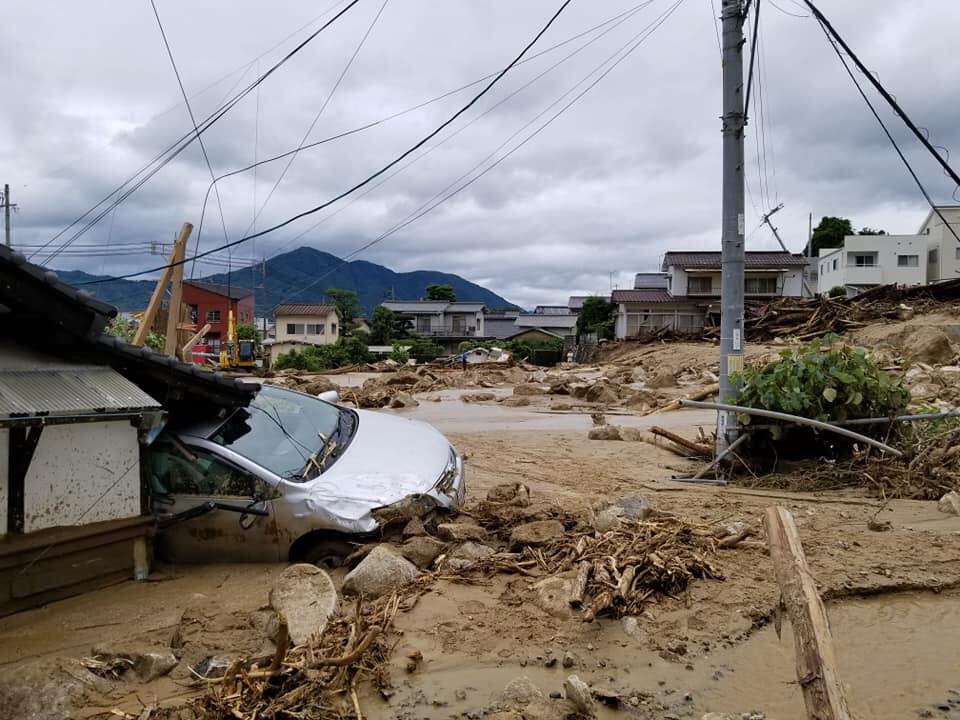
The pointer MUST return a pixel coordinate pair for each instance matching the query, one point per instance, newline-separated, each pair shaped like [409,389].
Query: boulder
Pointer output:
[478,397]
[529,389]
[515,401]
[927,344]
[414,528]
[51,689]
[552,595]
[536,533]
[403,400]
[950,503]
[578,693]
[461,531]
[146,662]
[402,378]
[304,595]
[317,386]
[629,507]
[422,550]
[631,434]
[602,391]
[513,493]
[380,572]
[604,432]
[662,379]
[471,552]
[641,400]
[521,691]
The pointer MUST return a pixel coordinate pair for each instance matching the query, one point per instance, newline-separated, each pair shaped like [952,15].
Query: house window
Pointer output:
[296,329]
[868,260]
[333,328]
[318,329]
[834,263]
[908,260]
[957,253]
[699,285]
[760,286]
[213,316]
[423,323]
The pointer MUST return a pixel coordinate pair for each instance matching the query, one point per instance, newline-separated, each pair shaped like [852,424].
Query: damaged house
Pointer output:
[76,410]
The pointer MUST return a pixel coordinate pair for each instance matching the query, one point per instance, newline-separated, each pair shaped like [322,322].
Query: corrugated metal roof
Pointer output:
[647,296]
[68,391]
[564,322]
[709,260]
[303,309]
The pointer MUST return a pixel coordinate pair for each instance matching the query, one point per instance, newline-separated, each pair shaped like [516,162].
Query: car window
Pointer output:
[177,470]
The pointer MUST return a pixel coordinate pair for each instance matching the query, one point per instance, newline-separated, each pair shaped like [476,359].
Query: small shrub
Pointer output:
[400,354]
[838,291]
[424,350]
[346,351]
[824,381]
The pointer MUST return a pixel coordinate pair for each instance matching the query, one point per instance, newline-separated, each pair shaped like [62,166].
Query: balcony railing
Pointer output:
[448,331]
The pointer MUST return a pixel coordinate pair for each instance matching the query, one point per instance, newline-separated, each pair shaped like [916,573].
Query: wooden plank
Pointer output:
[816,663]
[187,349]
[146,322]
[176,291]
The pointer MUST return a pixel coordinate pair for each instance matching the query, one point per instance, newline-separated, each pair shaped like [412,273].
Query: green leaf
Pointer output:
[829,394]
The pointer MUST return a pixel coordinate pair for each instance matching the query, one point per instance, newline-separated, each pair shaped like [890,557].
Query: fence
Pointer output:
[647,323]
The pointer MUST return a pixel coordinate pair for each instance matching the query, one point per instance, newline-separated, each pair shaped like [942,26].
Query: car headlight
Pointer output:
[451,473]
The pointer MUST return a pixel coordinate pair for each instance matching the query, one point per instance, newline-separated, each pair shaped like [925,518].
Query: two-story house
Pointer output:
[211,303]
[297,325]
[686,292]
[441,319]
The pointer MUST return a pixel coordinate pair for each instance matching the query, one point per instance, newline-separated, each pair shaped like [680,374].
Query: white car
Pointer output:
[294,477]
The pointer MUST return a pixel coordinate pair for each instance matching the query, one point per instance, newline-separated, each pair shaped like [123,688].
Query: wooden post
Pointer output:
[176,292]
[816,663]
[147,320]
[187,349]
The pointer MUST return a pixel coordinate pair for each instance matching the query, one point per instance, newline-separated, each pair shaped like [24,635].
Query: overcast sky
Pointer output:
[628,172]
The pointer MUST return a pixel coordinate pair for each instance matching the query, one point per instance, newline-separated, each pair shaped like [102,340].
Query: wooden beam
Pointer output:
[816,664]
[176,292]
[185,351]
[146,322]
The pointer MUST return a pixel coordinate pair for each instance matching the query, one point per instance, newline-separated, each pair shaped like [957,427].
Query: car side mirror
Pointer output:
[330,396]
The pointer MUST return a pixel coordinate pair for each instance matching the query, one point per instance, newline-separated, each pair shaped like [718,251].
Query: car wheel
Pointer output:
[328,553]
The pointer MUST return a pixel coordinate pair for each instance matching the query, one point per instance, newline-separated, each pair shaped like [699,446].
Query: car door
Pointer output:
[209,508]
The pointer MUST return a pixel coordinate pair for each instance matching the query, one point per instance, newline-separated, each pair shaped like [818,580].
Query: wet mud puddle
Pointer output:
[898,655]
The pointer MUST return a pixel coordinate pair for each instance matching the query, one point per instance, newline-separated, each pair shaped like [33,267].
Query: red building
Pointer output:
[211,303]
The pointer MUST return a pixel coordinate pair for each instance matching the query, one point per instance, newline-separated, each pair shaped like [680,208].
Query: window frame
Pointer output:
[907,258]
[212,316]
[707,279]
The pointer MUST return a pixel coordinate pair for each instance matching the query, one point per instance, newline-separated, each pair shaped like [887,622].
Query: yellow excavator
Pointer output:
[237,353]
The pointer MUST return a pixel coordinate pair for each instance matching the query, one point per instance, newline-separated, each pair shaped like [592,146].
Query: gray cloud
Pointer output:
[630,171]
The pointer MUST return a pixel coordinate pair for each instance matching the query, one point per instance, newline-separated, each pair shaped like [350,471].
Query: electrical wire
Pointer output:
[427,207]
[614,22]
[763,88]
[423,141]
[171,152]
[787,12]
[887,132]
[716,27]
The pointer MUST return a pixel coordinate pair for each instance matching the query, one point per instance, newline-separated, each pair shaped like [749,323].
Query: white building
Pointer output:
[865,261]
[441,319]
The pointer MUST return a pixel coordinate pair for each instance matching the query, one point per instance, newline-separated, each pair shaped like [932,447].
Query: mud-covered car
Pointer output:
[295,477]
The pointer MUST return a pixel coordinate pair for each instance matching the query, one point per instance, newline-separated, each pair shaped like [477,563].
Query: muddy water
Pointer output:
[898,657]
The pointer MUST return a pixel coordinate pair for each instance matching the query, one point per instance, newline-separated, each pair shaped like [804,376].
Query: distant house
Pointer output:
[575,302]
[537,335]
[865,261]
[77,407]
[556,324]
[443,320]
[685,293]
[211,303]
[302,325]
[499,326]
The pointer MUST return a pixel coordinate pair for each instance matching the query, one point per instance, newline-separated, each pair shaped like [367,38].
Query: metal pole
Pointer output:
[731,262]
[6,212]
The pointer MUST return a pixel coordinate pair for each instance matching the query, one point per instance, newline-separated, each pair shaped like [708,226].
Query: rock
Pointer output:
[513,493]
[529,389]
[51,689]
[634,507]
[146,662]
[304,594]
[461,531]
[559,387]
[380,572]
[662,379]
[950,503]
[578,693]
[536,533]
[604,432]
[471,551]
[403,400]
[607,519]
[927,344]
[414,528]
[515,402]
[630,434]
[422,550]
[478,397]
[561,407]
[520,690]
[402,378]
[317,386]
[631,628]
[569,660]
[720,716]
[602,391]
[552,595]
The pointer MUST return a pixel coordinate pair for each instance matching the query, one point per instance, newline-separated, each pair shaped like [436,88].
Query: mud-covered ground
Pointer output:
[712,649]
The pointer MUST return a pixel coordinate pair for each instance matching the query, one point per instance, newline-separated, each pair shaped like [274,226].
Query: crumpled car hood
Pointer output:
[389,458]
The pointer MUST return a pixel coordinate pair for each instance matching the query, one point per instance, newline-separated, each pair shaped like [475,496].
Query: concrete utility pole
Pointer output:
[7,205]
[731,261]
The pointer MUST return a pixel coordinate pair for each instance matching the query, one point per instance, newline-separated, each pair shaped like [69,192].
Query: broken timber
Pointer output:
[816,664]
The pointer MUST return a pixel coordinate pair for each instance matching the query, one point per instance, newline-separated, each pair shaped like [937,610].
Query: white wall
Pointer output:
[792,283]
[328,321]
[887,249]
[830,270]
[73,466]
[4,477]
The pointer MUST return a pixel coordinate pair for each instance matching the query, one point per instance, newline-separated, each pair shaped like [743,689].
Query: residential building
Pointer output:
[439,319]
[943,250]
[211,303]
[500,326]
[554,323]
[301,325]
[77,408]
[575,302]
[685,294]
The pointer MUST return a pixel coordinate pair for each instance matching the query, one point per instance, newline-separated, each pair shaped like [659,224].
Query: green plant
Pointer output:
[596,316]
[316,358]
[424,349]
[400,354]
[837,291]
[825,381]
[347,303]
[247,331]
[126,329]
[442,293]
[387,326]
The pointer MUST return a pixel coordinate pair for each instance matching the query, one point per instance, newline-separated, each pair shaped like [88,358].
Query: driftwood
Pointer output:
[599,603]
[626,582]
[693,447]
[702,394]
[816,664]
[580,585]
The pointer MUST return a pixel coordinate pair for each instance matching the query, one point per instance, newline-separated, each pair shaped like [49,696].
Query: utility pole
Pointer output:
[732,258]
[7,205]
[766,219]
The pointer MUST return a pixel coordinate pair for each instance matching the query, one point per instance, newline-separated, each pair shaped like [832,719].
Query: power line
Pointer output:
[716,27]
[787,12]
[427,207]
[375,175]
[616,20]
[887,132]
[167,156]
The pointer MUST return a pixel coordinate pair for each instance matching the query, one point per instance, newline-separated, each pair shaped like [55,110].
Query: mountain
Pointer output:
[292,277]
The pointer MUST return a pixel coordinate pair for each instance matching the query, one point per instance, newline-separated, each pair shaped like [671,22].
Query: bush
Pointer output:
[126,330]
[824,381]
[400,354]
[838,291]
[423,349]
[316,358]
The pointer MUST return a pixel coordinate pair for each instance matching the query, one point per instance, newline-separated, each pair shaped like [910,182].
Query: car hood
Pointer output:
[388,459]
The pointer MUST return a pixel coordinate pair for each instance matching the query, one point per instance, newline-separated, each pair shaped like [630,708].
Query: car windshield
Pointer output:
[280,430]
